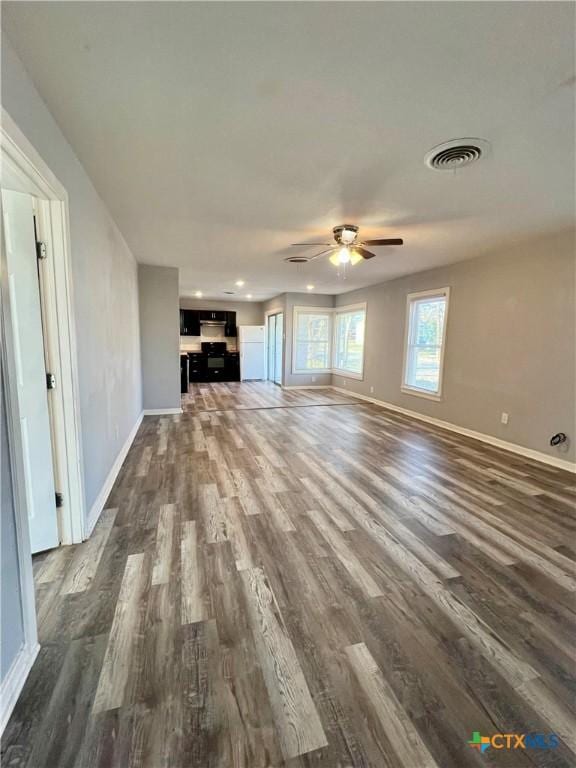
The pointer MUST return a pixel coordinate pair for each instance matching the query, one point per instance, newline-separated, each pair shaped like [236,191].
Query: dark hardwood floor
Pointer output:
[298,579]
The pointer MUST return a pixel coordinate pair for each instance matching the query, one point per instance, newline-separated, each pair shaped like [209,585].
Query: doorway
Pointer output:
[275,339]
[33,384]
[38,331]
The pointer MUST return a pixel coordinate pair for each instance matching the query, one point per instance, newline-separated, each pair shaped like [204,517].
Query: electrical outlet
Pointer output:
[313,379]
[504,418]
[371,390]
[345,382]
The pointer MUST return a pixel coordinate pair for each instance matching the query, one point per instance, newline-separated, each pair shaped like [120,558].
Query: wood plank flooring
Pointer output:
[297,578]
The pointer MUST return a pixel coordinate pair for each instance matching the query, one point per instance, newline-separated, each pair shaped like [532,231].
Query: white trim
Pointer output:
[24,169]
[296,310]
[100,501]
[307,386]
[333,312]
[16,458]
[528,453]
[411,297]
[420,393]
[344,310]
[11,686]
[161,411]
[267,315]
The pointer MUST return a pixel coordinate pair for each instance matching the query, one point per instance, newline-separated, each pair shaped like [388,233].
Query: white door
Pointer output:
[30,370]
[274,347]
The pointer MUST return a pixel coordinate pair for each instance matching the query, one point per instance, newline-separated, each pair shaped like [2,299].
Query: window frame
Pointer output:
[410,299]
[311,311]
[332,313]
[345,310]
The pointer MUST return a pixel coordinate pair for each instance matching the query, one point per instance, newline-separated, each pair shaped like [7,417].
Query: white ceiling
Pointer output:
[219,133]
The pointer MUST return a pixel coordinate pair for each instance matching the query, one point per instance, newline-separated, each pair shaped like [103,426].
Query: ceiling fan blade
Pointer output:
[306,244]
[364,253]
[321,253]
[385,241]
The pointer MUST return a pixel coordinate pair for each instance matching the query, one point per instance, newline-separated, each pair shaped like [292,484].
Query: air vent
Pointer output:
[456,154]
[297,259]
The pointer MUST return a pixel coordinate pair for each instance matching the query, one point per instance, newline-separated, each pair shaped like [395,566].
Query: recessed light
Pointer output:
[239,283]
[248,295]
[198,294]
[309,287]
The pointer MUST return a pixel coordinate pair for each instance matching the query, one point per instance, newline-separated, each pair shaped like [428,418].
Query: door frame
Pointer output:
[25,171]
[267,315]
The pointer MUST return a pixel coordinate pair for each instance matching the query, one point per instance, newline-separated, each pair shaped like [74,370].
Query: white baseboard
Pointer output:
[161,411]
[100,501]
[528,453]
[307,386]
[12,685]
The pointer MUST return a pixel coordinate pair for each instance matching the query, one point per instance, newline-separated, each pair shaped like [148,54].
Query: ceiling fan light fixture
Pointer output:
[344,255]
[348,235]
[355,257]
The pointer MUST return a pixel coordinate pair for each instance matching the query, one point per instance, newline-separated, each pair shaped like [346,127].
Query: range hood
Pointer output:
[219,323]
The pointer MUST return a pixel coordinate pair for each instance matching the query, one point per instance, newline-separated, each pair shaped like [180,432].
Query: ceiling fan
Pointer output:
[347,249]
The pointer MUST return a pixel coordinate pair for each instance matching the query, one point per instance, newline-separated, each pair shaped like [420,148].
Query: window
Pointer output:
[327,340]
[349,341]
[312,333]
[424,352]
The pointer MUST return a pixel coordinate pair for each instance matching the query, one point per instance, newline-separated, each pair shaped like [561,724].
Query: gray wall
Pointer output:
[302,300]
[510,343]
[160,336]
[105,287]
[11,619]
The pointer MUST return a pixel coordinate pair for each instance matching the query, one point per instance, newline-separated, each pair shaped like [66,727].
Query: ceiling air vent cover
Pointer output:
[455,154]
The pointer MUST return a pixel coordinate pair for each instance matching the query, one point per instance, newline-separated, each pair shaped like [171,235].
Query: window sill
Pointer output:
[312,372]
[421,393]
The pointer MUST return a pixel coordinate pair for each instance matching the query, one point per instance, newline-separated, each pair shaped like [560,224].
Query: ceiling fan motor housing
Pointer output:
[345,234]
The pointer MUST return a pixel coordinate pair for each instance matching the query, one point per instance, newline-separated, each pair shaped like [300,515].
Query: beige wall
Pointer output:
[247,313]
[510,343]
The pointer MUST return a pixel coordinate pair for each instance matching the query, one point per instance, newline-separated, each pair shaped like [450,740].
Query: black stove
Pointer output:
[214,347]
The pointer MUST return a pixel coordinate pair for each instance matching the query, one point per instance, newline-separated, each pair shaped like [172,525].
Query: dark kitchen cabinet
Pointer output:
[230,330]
[183,374]
[213,315]
[232,367]
[197,366]
[189,322]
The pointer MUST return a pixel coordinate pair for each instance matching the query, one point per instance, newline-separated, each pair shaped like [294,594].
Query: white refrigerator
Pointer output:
[252,343]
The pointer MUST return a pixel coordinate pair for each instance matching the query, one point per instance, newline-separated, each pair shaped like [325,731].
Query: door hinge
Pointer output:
[50,381]
[59,500]
[41,251]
